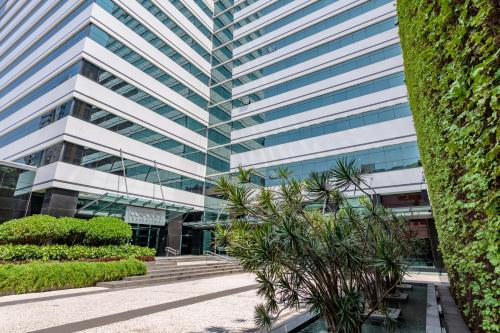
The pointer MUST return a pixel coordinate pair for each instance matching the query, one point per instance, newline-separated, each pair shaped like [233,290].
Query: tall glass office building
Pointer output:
[144,103]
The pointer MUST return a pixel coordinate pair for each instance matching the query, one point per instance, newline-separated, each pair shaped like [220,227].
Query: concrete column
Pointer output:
[59,202]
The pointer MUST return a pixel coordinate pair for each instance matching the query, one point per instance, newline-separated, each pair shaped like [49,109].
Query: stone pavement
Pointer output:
[208,305]
[217,304]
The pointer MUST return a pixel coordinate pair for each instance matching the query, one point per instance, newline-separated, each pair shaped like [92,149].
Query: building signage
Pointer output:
[141,215]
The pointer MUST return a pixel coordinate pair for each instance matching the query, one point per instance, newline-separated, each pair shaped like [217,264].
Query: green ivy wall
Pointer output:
[451,51]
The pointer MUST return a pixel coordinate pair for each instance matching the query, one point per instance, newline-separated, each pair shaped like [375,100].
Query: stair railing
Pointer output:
[218,256]
[171,251]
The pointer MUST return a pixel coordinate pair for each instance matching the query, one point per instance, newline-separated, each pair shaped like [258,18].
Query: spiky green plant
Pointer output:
[312,247]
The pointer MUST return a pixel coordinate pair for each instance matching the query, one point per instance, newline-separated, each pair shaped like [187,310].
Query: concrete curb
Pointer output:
[293,323]
[432,321]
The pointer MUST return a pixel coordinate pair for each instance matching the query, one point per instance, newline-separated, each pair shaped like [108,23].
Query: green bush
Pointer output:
[44,230]
[107,230]
[34,277]
[31,230]
[451,53]
[14,252]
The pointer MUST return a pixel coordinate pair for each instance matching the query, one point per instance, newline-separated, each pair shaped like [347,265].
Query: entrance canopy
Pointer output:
[111,204]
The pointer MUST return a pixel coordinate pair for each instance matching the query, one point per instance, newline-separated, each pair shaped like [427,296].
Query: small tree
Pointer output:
[311,246]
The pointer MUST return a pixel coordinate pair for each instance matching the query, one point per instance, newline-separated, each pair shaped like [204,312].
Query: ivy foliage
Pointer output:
[451,50]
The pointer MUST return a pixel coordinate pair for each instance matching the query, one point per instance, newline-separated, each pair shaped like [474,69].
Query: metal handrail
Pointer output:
[171,250]
[218,256]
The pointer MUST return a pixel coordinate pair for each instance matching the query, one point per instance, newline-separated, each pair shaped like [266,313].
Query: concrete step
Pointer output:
[188,268]
[187,265]
[149,281]
[187,258]
[166,273]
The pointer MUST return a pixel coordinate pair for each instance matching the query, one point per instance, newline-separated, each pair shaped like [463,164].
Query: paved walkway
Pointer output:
[218,304]
[453,318]
[191,306]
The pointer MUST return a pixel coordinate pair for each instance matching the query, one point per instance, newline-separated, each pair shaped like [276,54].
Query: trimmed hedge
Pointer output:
[35,277]
[44,230]
[451,52]
[11,252]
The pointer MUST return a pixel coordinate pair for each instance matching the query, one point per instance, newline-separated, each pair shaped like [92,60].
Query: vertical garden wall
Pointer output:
[451,52]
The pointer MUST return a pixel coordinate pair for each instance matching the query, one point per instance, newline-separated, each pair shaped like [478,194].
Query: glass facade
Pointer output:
[204,7]
[145,65]
[109,121]
[220,88]
[268,8]
[341,95]
[386,158]
[322,74]
[90,158]
[291,17]
[192,18]
[174,27]
[138,96]
[16,184]
[305,78]
[152,38]
[41,63]
[42,90]
[317,51]
[309,31]
[45,37]
[327,127]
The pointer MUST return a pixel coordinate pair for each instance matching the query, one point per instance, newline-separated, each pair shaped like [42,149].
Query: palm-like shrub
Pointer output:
[310,246]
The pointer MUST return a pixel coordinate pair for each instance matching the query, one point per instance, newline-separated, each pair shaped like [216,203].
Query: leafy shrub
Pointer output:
[107,230]
[34,277]
[12,252]
[451,53]
[32,230]
[45,230]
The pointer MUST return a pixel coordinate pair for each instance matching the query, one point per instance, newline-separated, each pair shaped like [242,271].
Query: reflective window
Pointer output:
[152,38]
[26,19]
[327,127]
[100,161]
[44,38]
[15,192]
[261,12]
[281,22]
[169,23]
[31,126]
[111,122]
[42,90]
[316,28]
[45,61]
[204,7]
[318,51]
[244,4]
[192,18]
[358,90]
[136,95]
[387,158]
[322,74]
[144,65]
